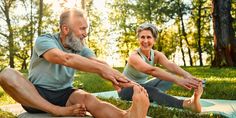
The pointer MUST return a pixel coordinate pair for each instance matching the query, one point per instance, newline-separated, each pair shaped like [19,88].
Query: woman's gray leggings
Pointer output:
[154,89]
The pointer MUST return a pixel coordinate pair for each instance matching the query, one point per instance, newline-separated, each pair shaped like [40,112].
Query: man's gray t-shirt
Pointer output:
[49,75]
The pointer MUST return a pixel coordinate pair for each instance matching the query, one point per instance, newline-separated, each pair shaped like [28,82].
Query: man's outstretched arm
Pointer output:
[78,62]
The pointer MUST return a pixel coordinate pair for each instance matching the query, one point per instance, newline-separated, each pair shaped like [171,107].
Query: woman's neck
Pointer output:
[146,53]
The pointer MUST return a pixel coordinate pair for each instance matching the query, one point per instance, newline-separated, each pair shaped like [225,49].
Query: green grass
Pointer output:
[4,114]
[220,84]
[5,98]
[91,82]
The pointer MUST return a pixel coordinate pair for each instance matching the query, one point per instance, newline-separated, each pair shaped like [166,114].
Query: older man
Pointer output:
[54,60]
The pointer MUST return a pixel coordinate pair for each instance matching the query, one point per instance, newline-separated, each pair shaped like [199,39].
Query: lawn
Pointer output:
[220,84]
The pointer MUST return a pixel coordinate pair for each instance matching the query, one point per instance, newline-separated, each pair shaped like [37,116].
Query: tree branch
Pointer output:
[3,10]
[5,35]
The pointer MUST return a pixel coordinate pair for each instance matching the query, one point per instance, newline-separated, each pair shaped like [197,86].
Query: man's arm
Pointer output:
[84,64]
[97,60]
[121,84]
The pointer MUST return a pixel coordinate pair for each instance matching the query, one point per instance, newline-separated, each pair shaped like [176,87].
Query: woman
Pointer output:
[141,64]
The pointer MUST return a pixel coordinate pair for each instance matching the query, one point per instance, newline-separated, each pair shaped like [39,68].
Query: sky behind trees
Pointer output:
[186,32]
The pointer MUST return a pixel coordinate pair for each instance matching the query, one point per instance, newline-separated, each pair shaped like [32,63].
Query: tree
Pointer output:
[83,4]
[5,9]
[97,34]
[224,37]
[25,33]
[181,11]
[40,17]
[123,24]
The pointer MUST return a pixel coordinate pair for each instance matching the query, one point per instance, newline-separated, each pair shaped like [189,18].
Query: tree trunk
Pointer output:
[182,51]
[199,33]
[181,45]
[83,4]
[185,34]
[6,10]
[31,28]
[224,40]
[150,11]
[40,17]
[24,64]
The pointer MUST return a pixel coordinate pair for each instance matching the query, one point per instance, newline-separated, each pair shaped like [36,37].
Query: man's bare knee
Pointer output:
[9,76]
[88,98]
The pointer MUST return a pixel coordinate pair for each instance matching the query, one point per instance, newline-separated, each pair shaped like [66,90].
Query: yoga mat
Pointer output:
[224,107]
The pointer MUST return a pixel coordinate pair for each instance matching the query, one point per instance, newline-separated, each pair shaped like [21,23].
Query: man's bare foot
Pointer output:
[194,102]
[140,103]
[73,110]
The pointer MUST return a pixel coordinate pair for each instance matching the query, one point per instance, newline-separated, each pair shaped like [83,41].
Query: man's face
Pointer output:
[74,42]
[75,37]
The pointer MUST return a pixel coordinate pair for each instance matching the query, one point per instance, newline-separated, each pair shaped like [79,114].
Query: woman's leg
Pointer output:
[193,103]
[160,84]
[154,96]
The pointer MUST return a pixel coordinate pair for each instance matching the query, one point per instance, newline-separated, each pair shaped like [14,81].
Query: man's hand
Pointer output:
[124,85]
[113,75]
[118,80]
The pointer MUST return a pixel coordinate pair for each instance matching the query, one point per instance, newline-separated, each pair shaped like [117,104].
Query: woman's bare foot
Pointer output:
[194,102]
[73,110]
[140,103]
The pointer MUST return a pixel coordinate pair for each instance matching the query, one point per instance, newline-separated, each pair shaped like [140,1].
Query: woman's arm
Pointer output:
[140,65]
[172,67]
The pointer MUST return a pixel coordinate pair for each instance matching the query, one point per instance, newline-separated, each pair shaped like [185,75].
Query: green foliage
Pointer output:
[98,36]
[5,98]
[201,15]
[233,14]
[24,25]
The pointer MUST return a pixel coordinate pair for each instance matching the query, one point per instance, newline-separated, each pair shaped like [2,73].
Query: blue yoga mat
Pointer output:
[225,107]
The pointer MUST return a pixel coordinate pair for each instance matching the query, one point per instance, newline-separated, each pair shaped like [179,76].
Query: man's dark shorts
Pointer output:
[55,97]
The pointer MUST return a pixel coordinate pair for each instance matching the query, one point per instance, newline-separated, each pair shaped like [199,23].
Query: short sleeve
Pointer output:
[43,44]
[86,52]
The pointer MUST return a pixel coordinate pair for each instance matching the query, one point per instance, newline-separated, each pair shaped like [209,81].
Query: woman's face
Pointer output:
[146,40]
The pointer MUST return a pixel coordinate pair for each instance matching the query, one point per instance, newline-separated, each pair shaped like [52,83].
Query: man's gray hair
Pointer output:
[67,14]
[148,26]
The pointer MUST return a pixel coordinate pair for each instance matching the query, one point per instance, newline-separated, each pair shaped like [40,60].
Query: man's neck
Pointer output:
[62,39]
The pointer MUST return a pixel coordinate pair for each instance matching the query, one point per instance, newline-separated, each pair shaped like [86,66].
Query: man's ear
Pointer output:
[65,29]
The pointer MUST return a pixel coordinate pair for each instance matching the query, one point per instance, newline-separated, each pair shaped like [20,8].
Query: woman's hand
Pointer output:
[188,83]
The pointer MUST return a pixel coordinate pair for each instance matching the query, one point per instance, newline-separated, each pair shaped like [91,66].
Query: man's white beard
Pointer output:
[74,42]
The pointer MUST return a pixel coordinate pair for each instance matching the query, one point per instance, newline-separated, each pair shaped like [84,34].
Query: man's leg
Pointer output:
[100,109]
[23,91]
